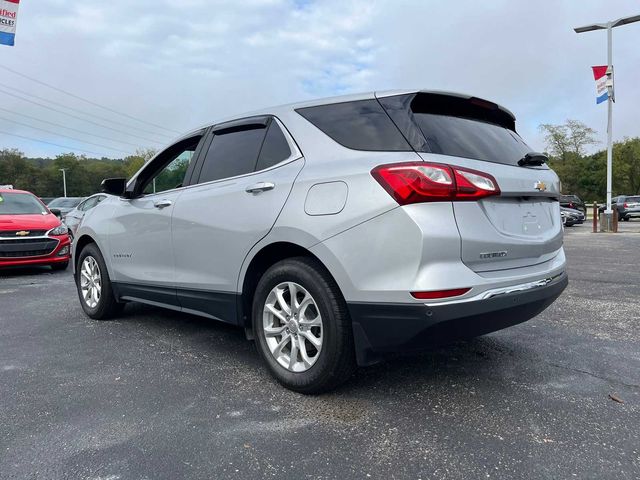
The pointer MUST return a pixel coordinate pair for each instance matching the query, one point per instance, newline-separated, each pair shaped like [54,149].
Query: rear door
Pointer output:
[244,178]
[520,227]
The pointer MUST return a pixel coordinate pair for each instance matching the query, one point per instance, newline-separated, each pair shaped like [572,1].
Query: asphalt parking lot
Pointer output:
[162,395]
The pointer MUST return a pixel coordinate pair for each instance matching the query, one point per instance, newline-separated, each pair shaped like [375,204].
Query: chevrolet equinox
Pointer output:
[335,231]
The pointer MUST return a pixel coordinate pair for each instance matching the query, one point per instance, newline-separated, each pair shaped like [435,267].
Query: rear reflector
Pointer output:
[456,292]
[416,182]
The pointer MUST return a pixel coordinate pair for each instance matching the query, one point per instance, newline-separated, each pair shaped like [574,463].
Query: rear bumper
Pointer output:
[53,257]
[381,329]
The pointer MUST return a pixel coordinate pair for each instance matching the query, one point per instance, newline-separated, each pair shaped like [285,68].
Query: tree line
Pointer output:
[43,177]
[581,174]
[586,175]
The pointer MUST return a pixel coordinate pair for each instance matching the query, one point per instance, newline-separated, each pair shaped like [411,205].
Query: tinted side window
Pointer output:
[360,125]
[275,148]
[83,205]
[232,153]
[87,204]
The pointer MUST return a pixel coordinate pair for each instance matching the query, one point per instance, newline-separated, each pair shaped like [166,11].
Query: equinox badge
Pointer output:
[501,254]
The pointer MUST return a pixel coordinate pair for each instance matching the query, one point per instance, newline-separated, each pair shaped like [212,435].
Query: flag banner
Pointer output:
[8,20]
[600,76]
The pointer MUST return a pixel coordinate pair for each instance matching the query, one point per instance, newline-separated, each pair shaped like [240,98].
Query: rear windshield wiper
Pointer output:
[533,159]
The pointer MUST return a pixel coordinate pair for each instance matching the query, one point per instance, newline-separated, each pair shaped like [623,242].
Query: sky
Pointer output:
[183,63]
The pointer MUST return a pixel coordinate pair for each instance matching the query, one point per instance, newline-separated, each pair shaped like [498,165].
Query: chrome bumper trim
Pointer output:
[494,292]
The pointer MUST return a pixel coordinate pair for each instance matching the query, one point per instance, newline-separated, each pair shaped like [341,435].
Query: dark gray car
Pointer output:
[628,206]
[63,205]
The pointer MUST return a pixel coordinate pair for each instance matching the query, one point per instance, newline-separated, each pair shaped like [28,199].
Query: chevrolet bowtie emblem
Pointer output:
[540,186]
[22,233]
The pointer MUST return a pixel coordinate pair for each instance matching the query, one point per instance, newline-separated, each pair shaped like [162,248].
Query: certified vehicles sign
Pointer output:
[8,20]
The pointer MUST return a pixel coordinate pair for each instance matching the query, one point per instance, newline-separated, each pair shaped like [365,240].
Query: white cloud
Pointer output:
[186,63]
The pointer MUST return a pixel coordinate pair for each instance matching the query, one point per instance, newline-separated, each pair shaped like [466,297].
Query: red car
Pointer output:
[30,234]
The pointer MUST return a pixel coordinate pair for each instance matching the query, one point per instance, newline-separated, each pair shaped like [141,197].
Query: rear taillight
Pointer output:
[571,205]
[416,182]
[624,205]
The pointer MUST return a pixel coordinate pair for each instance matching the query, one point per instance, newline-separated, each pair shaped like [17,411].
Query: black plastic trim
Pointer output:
[382,328]
[222,306]
[151,293]
[241,124]
[218,305]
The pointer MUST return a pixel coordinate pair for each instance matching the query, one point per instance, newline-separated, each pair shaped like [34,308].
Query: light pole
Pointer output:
[609,26]
[64,180]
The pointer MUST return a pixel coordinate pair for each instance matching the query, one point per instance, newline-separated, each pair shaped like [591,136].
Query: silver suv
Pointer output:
[335,231]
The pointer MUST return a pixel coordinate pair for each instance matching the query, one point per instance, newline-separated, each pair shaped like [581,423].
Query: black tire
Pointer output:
[107,307]
[336,361]
[59,266]
[626,219]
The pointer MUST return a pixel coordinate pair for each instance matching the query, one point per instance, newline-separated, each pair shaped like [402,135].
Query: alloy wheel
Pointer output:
[90,281]
[292,327]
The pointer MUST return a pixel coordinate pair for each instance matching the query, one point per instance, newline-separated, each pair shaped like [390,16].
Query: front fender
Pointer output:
[95,225]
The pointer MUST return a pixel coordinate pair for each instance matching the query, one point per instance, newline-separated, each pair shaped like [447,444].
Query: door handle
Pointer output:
[162,203]
[260,187]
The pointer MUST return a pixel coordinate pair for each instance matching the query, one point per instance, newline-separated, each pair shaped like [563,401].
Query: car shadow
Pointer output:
[25,271]
[493,355]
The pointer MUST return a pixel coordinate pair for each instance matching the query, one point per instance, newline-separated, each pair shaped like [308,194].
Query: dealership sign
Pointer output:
[8,20]
[602,83]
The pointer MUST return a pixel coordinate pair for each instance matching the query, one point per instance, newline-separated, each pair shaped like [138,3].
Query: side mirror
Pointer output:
[56,212]
[114,186]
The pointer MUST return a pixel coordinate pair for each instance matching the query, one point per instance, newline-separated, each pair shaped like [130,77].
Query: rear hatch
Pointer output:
[519,227]
[632,203]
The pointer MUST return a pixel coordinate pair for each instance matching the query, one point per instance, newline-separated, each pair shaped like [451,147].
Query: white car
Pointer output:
[73,218]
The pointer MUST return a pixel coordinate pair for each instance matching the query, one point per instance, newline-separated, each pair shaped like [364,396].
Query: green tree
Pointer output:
[568,140]
[133,163]
[15,169]
[626,163]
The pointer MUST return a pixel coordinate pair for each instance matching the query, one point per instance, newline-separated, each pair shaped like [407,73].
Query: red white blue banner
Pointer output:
[8,20]
[600,76]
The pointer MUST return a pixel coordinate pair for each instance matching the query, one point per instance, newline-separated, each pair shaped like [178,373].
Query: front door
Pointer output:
[140,235]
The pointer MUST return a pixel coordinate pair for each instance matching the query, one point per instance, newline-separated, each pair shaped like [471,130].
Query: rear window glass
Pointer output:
[359,125]
[463,137]
[633,199]
[65,202]
[457,126]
